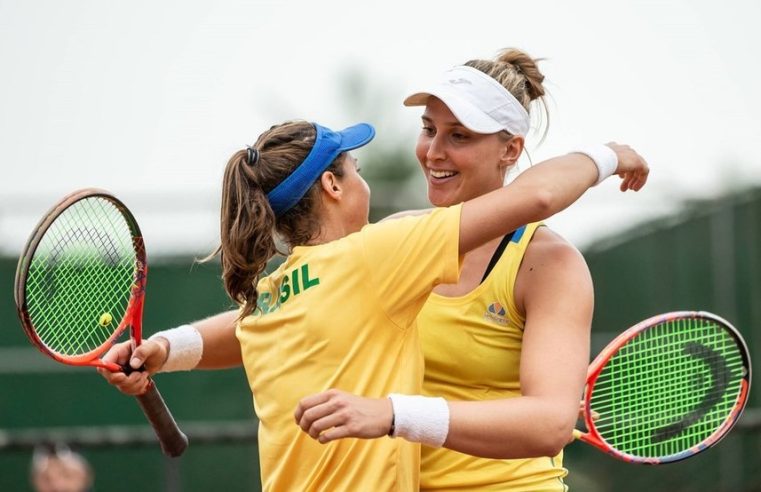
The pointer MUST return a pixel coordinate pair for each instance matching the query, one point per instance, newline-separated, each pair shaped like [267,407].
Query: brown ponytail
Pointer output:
[247,223]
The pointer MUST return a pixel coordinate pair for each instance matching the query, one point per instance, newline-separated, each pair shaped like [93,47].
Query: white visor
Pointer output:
[478,101]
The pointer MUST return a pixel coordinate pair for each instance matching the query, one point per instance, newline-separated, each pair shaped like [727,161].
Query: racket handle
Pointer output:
[173,441]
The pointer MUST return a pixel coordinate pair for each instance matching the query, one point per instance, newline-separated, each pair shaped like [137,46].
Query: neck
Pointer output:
[327,233]
[331,227]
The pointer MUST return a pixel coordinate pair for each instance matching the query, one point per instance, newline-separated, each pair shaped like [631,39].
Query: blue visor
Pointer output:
[327,145]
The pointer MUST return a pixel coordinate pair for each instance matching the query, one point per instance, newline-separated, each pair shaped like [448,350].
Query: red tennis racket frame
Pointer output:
[173,441]
[593,437]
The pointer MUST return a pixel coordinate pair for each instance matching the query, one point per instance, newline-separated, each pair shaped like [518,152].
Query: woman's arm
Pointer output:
[540,192]
[220,350]
[536,194]
[557,297]
[555,289]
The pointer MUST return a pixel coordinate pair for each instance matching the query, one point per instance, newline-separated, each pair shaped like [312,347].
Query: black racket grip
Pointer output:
[173,441]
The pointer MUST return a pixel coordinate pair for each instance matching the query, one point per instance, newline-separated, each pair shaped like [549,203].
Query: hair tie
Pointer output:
[253,156]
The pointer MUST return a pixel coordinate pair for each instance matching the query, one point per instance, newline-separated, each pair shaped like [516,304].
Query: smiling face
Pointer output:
[458,163]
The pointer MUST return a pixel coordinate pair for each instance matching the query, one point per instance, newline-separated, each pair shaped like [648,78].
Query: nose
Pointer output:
[435,148]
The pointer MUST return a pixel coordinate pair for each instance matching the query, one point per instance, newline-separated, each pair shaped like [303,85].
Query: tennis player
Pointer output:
[340,311]
[508,343]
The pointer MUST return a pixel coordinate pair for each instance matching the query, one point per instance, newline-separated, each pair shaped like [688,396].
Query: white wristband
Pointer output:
[604,158]
[185,348]
[420,419]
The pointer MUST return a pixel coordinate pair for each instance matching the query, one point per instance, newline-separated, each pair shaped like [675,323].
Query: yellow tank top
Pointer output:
[472,347]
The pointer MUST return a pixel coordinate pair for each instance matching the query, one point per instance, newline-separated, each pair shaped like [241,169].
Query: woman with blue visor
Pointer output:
[340,311]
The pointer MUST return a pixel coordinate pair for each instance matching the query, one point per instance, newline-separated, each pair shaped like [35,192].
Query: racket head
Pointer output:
[80,279]
[667,388]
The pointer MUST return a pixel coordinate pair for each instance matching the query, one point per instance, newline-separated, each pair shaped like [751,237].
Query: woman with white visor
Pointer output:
[507,346]
[376,368]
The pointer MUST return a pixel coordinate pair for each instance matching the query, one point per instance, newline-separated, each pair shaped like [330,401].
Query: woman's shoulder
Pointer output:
[548,258]
[549,251]
[545,242]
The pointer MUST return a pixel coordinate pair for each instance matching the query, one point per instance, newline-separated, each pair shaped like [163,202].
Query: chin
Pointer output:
[440,200]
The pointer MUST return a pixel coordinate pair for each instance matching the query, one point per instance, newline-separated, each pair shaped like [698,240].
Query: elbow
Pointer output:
[557,436]
[555,433]
[546,441]
[544,204]
[548,445]
[553,445]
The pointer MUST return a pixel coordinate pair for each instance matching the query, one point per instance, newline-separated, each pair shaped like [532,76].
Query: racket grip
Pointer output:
[173,441]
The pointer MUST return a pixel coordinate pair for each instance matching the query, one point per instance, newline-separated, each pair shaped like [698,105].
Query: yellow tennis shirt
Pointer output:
[342,315]
[472,346]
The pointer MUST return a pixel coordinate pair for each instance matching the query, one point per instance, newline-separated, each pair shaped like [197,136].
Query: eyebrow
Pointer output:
[448,123]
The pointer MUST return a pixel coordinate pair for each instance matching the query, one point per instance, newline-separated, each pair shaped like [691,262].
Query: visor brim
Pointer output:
[466,113]
[356,136]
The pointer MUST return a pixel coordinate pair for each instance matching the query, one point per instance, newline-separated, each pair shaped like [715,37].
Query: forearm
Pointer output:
[221,348]
[536,194]
[521,427]
[206,344]
[559,181]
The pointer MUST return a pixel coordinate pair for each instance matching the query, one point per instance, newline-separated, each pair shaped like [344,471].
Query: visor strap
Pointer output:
[293,188]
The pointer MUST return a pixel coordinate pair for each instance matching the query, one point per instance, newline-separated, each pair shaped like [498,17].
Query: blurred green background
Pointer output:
[705,258]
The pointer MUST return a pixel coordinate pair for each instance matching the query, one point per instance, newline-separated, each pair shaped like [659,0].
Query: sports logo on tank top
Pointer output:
[496,312]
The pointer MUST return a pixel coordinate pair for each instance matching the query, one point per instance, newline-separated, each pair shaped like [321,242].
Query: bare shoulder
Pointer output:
[550,262]
[548,249]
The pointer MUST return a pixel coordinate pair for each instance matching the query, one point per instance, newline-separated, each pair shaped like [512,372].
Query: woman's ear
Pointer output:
[512,151]
[331,186]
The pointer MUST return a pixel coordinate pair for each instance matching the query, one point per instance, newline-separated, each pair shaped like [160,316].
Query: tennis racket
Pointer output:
[667,388]
[80,283]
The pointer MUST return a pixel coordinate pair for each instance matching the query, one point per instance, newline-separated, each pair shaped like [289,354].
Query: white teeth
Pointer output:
[442,174]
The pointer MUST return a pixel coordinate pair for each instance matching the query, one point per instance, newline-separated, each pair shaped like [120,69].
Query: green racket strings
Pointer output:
[669,388]
[80,277]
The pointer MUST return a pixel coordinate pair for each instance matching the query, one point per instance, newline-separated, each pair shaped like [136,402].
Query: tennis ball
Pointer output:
[105,319]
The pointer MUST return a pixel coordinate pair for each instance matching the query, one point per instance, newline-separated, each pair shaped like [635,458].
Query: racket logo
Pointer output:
[720,374]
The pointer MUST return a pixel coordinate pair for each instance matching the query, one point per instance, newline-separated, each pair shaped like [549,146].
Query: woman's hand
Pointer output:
[632,168]
[151,354]
[335,414]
